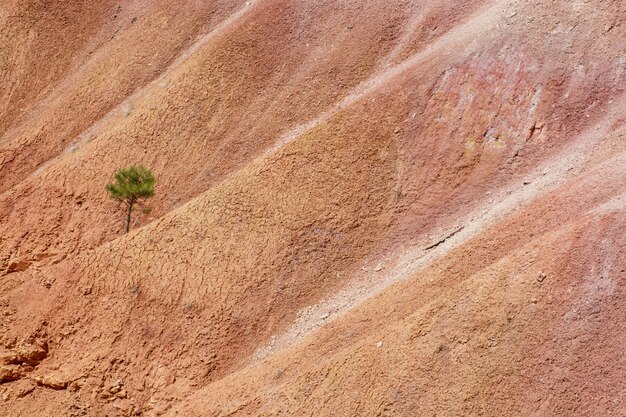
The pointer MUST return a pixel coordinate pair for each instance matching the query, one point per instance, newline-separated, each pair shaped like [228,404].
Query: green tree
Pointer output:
[131,185]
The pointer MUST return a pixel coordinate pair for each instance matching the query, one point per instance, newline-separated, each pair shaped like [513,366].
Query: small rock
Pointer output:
[47,283]
[24,391]
[105,395]
[75,386]
[124,406]
[18,266]
[541,277]
[116,387]
[324,316]
[378,267]
[379,344]
[29,355]
[51,381]
[10,373]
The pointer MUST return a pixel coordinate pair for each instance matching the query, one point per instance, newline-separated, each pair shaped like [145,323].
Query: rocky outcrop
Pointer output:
[18,362]
[51,381]
[25,354]
[9,373]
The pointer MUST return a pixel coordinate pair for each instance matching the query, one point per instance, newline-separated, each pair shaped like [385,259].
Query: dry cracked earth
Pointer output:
[363,208]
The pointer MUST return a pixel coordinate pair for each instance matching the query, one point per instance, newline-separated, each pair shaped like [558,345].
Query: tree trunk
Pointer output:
[130,204]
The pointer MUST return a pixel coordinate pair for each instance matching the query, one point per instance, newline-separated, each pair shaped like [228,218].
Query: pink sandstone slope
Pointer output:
[363,208]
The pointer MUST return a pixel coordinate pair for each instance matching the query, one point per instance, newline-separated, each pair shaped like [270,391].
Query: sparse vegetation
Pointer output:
[131,186]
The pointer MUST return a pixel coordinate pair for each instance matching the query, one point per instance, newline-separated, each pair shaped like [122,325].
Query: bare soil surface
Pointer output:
[376,208]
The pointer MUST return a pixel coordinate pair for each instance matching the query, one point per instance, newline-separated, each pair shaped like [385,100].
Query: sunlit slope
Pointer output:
[41,44]
[452,200]
[524,319]
[251,78]
[96,69]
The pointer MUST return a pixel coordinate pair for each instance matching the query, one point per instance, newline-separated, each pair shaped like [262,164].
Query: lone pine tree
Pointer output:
[131,185]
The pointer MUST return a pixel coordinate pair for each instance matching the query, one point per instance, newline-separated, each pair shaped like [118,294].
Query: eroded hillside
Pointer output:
[363,208]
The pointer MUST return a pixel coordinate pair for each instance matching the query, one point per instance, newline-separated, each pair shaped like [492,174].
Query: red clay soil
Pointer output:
[363,208]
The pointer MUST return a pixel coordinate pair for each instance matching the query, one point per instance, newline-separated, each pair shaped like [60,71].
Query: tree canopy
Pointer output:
[131,185]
